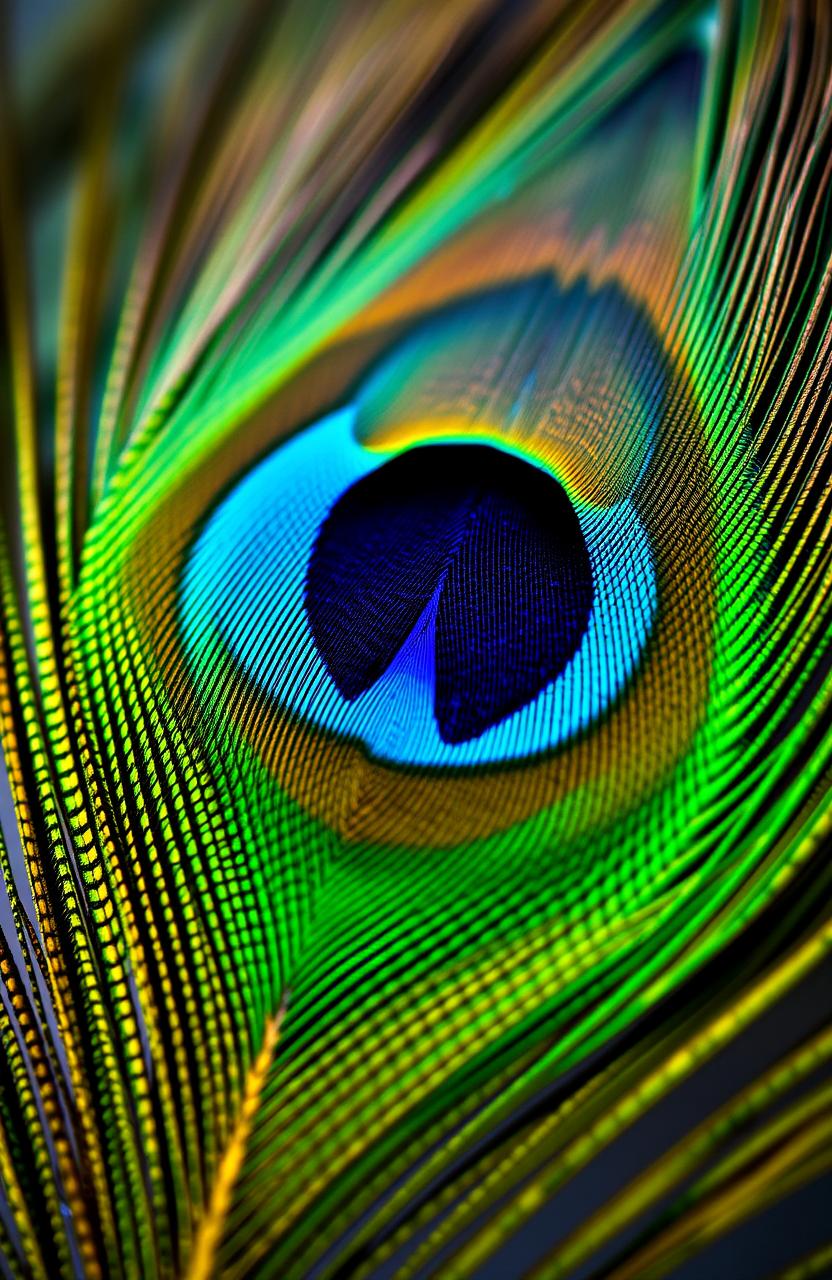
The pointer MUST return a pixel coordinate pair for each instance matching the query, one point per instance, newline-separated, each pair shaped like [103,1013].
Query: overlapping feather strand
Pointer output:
[415,605]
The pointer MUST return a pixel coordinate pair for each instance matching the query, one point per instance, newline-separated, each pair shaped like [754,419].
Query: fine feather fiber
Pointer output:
[415,617]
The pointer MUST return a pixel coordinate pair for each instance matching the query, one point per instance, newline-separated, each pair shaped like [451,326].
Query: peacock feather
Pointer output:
[415,615]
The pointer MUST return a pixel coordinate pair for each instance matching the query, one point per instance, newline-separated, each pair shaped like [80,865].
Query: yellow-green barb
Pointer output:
[415,611]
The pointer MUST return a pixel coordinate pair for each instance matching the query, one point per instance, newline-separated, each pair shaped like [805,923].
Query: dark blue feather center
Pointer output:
[467,540]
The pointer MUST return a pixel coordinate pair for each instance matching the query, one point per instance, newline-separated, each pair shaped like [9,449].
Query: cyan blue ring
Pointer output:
[242,594]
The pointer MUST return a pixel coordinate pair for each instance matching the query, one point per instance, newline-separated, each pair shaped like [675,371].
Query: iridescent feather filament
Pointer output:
[378,856]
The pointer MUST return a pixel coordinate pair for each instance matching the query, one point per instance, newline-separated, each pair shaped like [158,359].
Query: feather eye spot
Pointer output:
[385,621]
